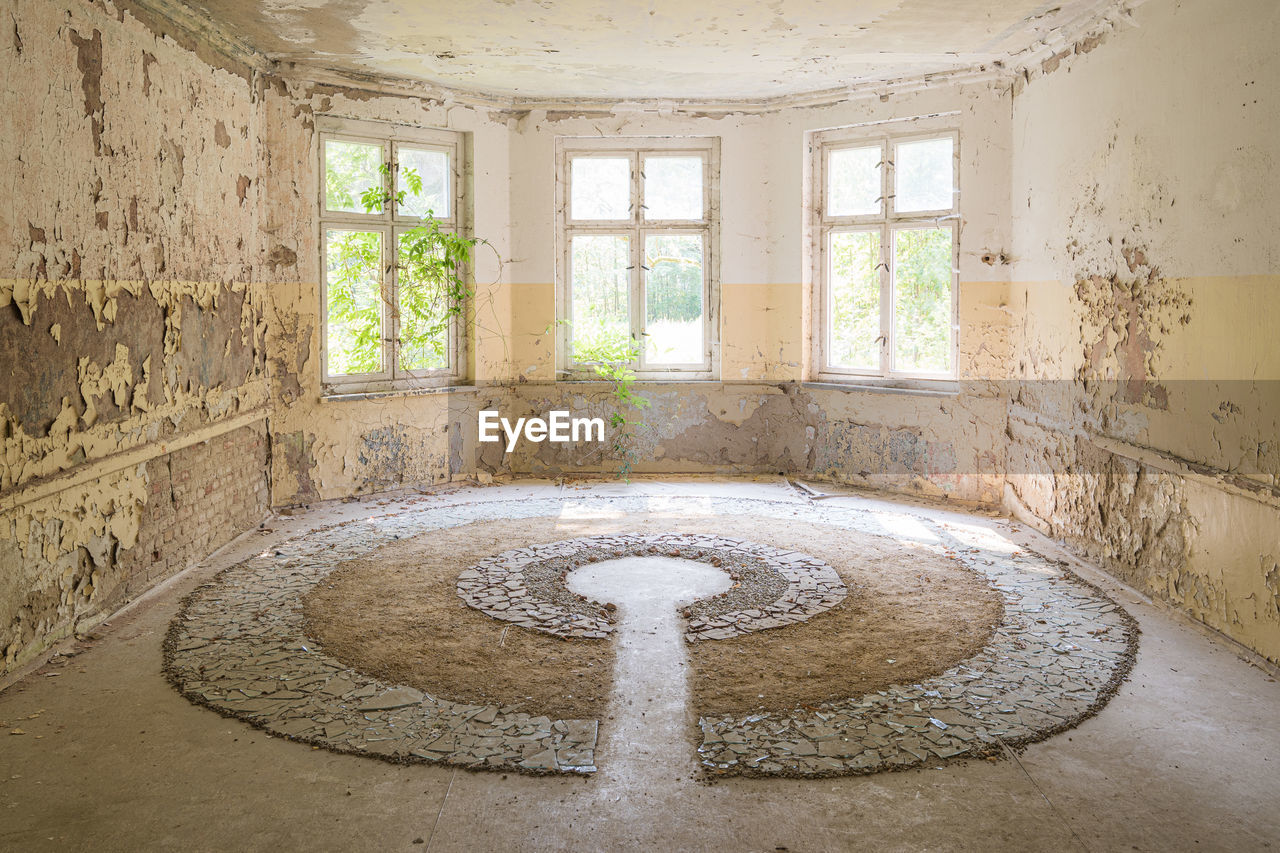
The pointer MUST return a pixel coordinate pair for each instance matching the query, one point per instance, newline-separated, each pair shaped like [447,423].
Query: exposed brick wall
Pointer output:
[200,498]
[186,504]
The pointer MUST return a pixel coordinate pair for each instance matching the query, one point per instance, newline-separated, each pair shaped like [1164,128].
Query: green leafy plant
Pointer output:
[431,291]
[611,352]
[376,198]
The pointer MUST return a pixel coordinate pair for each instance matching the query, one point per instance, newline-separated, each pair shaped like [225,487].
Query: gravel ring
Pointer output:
[772,588]
[757,583]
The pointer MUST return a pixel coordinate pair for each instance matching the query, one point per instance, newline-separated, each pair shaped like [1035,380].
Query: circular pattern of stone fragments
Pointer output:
[773,588]
[1060,652]
[238,646]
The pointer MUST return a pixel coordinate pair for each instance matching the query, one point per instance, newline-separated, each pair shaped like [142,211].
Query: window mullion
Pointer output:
[637,295]
[388,182]
[391,180]
[637,188]
[887,208]
[819,152]
[886,299]
[391,312]
[709,314]
[827,304]
[637,258]
[886,259]
[955,296]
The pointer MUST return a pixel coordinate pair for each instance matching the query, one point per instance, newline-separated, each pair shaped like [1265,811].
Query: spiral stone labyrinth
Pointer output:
[239,647]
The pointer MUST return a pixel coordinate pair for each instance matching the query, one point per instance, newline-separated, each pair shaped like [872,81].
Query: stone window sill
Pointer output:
[356,396]
[949,388]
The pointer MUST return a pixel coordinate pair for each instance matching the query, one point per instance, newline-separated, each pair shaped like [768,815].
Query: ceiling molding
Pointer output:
[1106,17]
[199,28]
[303,76]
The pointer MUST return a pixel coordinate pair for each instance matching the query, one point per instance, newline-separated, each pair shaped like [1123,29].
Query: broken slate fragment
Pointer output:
[396,698]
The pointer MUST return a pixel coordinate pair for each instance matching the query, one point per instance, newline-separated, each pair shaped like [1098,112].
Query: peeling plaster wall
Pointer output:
[132,336]
[1146,296]
[325,448]
[761,418]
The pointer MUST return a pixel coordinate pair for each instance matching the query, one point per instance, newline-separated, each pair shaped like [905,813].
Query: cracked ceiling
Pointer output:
[585,49]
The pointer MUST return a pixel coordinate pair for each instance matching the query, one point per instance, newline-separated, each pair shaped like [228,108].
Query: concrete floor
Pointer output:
[646,734]
[1185,757]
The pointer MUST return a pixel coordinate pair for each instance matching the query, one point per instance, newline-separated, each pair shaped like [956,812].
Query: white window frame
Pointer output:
[637,227]
[887,221]
[391,224]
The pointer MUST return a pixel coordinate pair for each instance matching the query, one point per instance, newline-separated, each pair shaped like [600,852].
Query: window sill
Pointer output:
[639,380]
[938,389]
[935,388]
[334,396]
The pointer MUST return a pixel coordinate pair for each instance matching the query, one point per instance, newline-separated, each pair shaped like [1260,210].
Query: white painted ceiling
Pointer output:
[679,49]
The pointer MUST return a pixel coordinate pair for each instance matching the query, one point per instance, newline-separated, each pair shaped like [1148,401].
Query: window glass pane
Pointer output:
[855,299]
[673,188]
[853,182]
[923,174]
[424,308]
[353,298]
[600,297]
[424,178]
[673,306]
[922,299]
[350,168]
[600,188]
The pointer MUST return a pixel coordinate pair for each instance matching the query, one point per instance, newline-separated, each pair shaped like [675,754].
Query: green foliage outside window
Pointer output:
[922,299]
[351,169]
[673,310]
[354,301]
[855,299]
[430,291]
[601,298]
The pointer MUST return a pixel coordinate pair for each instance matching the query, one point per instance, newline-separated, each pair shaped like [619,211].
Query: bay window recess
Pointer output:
[384,327]
[885,229]
[636,231]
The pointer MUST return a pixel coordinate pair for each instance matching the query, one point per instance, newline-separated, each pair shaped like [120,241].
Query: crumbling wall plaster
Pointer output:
[917,445]
[132,329]
[1145,288]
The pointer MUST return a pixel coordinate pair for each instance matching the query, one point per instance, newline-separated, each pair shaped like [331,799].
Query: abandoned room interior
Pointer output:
[574,425]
